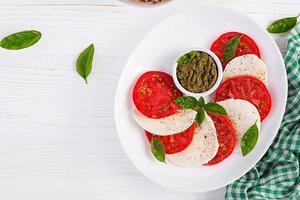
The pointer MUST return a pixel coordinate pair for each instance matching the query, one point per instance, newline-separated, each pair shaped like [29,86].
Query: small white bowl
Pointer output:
[213,88]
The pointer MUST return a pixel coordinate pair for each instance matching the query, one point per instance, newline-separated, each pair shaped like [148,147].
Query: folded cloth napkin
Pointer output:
[276,176]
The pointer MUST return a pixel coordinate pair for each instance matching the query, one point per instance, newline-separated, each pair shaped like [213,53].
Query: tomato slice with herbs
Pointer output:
[247,88]
[177,142]
[246,46]
[226,137]
[154,94]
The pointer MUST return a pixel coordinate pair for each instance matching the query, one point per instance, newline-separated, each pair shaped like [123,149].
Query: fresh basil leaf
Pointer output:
[186,102]
[200,117]
[201,102]
[84,62]
[282,25]
[158,149]
[249,139]
[215,108]
[186,57]
[230,48]
[20,40]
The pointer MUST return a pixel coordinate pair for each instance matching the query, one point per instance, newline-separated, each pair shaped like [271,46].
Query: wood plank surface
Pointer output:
[58,139]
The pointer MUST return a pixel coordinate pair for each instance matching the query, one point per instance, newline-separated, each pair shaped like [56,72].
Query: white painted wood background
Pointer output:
[57,136]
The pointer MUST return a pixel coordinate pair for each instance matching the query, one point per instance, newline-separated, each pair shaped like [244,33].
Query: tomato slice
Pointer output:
[154,94]
[226,137]
[177,142]
[246,46]
[247,88]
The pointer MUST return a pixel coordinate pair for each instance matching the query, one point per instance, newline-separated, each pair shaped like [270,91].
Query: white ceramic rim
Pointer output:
[219,69]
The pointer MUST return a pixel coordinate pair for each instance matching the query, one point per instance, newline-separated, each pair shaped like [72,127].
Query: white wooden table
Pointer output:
[57,138]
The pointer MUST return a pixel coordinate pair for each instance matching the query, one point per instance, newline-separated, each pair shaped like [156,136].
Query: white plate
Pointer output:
[157,51]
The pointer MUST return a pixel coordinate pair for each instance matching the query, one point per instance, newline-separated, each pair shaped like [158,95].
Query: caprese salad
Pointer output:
[188,131]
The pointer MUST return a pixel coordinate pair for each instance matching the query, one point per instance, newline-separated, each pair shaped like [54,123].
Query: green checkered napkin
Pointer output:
[277,174]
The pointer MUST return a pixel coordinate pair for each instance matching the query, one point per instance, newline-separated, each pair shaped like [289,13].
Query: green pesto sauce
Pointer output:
[197,74]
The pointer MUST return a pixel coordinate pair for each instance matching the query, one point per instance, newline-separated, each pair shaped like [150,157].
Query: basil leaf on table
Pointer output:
[186,57]
[200,117]
[249,139]
[282,25]
[215,108]
[84,62]
[158,149]
[186,102]
[20,40]
[230,48]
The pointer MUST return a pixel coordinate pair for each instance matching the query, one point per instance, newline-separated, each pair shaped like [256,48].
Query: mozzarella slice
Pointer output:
[248,64]
[242,114]
[168,125]
[202,149]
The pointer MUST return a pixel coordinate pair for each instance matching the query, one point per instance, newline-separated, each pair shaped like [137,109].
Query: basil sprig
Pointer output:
[230,48]
[84,62]
[188,102]
[249,139]
[215,108]
[201,102]
[282,25]
[200,117]
[20,40]
[158,149]
[187,57]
